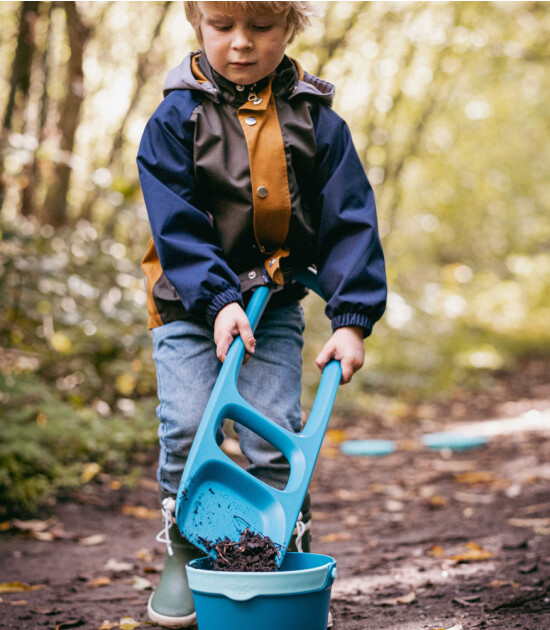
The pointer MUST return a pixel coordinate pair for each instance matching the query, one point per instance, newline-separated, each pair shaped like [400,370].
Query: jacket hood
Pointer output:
[188,76]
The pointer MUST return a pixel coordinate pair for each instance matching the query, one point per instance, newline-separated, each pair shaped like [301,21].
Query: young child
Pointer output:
[247,174]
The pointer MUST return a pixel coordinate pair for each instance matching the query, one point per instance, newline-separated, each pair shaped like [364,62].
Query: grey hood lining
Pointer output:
[181,78]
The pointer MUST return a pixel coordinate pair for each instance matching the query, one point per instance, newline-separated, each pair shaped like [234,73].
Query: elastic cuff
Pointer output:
[353,319]
[221,300]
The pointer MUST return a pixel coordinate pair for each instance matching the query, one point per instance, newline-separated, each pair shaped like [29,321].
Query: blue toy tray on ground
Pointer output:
[453,441]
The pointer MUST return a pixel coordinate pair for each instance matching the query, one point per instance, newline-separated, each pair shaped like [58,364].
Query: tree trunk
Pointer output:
[21,73]
[56,200]
[20,78]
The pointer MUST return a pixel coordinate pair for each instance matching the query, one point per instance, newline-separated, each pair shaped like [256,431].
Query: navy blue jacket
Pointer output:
[236,176]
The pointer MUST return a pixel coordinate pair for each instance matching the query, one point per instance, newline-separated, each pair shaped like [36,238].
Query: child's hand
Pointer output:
[231,322]
[346,345]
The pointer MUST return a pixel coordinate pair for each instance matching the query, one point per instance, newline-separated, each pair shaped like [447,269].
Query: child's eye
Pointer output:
[223,27]
[262,28]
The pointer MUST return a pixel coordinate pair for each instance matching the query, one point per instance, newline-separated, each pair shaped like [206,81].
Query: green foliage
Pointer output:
[73,310]
[76,377]
[45,443]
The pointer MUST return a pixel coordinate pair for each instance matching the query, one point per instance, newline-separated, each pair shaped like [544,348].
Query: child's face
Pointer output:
[242,48]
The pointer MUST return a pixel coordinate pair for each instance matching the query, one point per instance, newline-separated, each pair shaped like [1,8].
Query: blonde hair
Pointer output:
[297,14]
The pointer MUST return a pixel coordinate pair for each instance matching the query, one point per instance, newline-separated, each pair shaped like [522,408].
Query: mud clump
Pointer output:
[252,553]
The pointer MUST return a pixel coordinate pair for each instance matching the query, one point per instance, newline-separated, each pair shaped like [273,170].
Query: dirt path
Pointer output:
[423,540]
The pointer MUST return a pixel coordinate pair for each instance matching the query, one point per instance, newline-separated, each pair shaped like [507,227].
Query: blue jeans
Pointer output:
[187,368]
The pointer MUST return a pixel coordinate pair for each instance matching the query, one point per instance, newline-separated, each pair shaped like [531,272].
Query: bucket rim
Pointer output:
[241,585]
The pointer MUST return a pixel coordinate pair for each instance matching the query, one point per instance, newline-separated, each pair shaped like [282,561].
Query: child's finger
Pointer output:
[222,346]
[247,336]
[326,354]
[347,370]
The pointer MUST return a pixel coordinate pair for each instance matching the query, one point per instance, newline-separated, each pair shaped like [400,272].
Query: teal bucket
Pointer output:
[296,597]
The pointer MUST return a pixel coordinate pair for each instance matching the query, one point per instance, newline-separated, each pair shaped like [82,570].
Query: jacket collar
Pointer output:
[195,73]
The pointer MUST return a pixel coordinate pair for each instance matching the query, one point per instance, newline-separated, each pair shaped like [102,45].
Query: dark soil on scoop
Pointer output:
[252,553]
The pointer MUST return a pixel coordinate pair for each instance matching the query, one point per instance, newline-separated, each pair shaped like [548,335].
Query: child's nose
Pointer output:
[241,40]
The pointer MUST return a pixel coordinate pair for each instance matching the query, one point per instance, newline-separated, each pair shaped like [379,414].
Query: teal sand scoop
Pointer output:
[217,499]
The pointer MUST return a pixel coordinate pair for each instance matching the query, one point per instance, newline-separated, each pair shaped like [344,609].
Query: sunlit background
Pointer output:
[449,108]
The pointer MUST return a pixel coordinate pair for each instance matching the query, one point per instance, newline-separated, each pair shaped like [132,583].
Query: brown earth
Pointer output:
[423,540]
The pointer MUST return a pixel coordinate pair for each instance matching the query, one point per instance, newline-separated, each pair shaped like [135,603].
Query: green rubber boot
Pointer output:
[171,605]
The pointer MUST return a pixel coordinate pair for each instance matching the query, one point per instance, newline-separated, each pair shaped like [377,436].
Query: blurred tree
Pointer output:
[55,205]
[21,69]
[20,75]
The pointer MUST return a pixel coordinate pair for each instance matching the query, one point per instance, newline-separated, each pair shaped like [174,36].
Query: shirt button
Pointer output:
[262,192]
[251,121]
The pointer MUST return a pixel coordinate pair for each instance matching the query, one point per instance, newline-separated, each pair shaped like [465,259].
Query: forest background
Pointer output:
[449,108]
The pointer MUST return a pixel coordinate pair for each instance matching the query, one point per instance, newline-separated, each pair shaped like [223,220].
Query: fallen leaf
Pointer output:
[128,623]
[409,598]
[335,537]
[141,583]
[436,551]
[391,505]
[115,565]
[34,525]
[115,485]
[150,569]
[437,501]
[56,533]
[501,583]
[529,522]
[467,601]
[473,545]
[18,587]
[471,497]
[99,581]
[13,602]
[346,495]
[475,553]
[95,539]
[5,525]
[144,554]
[107,625]
[533,509]
[351,520]
[335,436]
[477,476]
[89,472]
[43,536]
[140,511]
